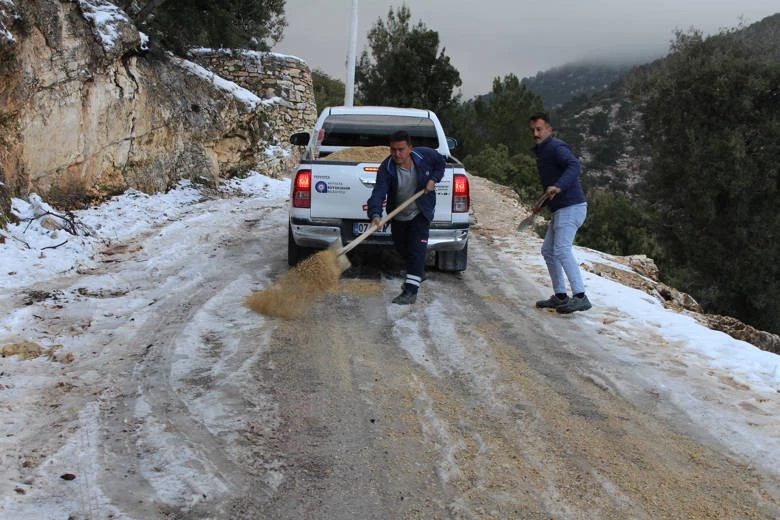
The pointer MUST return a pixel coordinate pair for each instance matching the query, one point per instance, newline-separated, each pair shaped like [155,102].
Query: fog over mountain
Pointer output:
[494,38]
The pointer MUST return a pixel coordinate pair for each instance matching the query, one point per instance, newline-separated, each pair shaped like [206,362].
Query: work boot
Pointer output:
[576,303]
[553,302]
[403,284]
[405,298]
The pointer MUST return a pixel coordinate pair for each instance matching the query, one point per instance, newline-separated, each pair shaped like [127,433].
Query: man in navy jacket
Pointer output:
[407,171]
[559,173]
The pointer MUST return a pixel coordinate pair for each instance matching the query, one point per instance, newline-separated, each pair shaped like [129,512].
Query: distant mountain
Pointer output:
[604,129]
[764,35]
[603,126]
[559,85]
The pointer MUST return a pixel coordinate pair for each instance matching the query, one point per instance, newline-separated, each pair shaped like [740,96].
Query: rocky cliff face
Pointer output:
[86,111]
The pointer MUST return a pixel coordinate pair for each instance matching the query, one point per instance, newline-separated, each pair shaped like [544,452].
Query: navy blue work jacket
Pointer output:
[559,167]
[428,163]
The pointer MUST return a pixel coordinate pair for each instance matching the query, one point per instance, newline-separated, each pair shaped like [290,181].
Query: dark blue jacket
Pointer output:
[428,163]
[558,167]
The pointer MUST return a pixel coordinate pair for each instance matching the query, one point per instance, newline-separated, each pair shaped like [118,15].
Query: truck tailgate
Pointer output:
[340,190]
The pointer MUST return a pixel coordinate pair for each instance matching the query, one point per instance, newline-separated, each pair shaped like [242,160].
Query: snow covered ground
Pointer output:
[741,403]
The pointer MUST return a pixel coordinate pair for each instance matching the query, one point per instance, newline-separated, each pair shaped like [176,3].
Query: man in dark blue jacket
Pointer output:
[559,173]
[400,176]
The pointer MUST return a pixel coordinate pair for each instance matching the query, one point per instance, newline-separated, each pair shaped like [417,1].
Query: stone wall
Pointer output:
[283,82]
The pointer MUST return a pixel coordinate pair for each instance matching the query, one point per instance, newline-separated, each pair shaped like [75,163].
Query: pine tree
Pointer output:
[403,68]
[229,24]
[500,118]
[327,91]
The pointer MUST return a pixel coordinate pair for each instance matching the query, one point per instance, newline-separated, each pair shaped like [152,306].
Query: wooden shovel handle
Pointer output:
[382,222]
[537,207]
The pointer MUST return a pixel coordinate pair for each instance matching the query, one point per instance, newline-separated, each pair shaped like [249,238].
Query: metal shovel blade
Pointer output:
[537,207]
[341,260]
[341,253]
[527,221]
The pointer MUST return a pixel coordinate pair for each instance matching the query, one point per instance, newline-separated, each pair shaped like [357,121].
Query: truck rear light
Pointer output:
[460,193]
[302,189]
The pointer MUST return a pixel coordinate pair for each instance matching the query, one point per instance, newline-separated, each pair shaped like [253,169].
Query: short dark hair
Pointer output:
[400,135]
[539,115]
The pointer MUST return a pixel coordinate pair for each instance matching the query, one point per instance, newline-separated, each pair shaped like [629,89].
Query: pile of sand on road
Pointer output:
[299,288]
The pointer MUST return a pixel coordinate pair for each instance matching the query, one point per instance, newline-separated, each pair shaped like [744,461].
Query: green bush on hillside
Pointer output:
[516,171]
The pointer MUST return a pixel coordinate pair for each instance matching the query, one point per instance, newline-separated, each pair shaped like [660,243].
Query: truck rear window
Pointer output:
[366,130]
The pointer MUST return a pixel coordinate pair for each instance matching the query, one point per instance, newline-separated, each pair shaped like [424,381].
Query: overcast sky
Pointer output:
[492,38]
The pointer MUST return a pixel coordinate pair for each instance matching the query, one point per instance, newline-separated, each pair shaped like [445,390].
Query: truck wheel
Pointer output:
[295,253]
[452,261]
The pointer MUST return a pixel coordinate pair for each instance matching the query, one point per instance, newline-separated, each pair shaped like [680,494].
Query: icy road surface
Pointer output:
[163,397]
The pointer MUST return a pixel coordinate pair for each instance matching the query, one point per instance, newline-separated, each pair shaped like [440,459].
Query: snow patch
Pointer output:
[105,17]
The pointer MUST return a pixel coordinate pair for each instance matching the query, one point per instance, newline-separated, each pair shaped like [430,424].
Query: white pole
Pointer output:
[350,86]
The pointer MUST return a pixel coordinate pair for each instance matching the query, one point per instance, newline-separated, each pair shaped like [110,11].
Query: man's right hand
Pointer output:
[552,191]
[375,223]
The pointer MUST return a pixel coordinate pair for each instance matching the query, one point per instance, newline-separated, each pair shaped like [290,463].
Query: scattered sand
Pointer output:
[27,350]
[22,350]
[362,288]
[294,293]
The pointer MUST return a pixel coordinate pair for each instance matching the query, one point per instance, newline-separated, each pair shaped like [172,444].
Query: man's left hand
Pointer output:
[430,186]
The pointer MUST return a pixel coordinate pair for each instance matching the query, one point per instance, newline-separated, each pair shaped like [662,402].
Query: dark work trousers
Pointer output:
[411,241]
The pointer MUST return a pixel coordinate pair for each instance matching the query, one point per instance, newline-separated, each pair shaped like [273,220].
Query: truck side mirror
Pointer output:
[451,142]
[300,139]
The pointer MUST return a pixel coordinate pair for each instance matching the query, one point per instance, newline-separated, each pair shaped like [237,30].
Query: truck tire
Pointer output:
[295,253]
[452,261]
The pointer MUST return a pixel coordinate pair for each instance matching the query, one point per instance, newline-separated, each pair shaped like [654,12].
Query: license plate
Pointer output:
[361,227]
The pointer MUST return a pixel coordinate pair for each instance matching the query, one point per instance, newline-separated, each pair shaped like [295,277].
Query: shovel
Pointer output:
[537,207]
[341,260]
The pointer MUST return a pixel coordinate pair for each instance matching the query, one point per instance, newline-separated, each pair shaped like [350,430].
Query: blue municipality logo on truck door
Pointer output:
[321,187]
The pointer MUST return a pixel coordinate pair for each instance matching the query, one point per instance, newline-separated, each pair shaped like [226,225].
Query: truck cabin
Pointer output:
[347,130]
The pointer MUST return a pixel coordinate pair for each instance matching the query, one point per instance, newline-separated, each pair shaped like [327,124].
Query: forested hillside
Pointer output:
[559,85]
[680,163]
[605,125]
[605,129]
[679,160]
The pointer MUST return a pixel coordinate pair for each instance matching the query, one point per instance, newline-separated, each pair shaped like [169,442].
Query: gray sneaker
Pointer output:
[575,304]
[405,298]
[553,302]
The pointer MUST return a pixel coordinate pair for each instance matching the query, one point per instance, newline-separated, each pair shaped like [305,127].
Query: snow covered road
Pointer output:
[178,402]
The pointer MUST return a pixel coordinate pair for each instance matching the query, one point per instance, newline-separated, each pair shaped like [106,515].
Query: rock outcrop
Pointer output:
[738,330]
[87,111]
[644,275]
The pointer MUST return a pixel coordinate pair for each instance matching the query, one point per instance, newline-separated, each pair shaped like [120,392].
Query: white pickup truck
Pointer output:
[328,197]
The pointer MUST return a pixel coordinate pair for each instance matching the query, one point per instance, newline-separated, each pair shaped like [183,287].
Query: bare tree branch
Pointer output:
[69,222]
[54,247]
[7,235]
